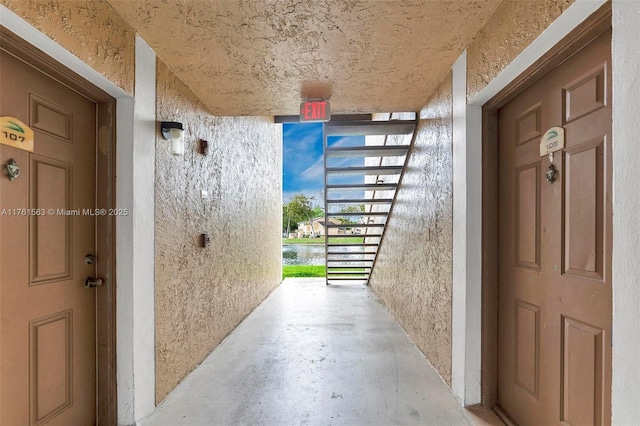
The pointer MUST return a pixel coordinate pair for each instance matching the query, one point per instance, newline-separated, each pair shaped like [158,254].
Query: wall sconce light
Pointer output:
[173,131]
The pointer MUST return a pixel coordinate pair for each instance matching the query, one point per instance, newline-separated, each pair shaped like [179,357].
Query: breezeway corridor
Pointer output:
[510,250]
[313,354]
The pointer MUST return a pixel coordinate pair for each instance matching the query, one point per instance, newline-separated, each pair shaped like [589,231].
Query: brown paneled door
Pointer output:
[48,318]
[554,319]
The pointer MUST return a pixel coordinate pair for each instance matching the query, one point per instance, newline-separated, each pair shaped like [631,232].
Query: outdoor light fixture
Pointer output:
[172,131]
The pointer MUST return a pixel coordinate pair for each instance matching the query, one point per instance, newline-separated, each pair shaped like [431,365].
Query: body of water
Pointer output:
[303,254]
[309,254]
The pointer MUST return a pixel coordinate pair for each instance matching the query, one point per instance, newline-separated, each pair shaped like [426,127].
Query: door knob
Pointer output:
[92,282]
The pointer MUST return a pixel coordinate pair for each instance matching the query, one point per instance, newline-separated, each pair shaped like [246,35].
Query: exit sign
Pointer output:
[311,111]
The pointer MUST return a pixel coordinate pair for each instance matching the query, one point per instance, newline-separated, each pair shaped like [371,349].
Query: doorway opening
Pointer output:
[353,166]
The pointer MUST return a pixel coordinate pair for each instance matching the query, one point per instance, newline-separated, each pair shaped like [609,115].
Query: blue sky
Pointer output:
[303,164]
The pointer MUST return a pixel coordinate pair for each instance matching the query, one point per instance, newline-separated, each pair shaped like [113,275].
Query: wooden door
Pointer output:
[554,315]
[48,325]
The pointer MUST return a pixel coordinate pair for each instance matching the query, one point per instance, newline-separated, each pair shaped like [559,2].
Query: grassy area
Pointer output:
[320,240]
[303,240]
[303,271]
[347,240]
[310,270]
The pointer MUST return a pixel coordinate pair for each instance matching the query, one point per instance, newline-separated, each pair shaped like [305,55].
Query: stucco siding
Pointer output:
[203,293]
[510,29]
[413,274]
[91,30]
[264,56]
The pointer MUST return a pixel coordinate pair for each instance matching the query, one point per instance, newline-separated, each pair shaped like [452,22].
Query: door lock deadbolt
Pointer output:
[551,173]
[92,282]
[89,259]
[13,169]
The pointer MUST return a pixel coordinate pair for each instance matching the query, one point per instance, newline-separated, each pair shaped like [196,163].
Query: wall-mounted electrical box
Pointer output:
[204,147]
[205,240]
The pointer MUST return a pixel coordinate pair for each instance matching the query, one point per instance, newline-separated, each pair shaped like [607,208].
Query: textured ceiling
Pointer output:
[262,57]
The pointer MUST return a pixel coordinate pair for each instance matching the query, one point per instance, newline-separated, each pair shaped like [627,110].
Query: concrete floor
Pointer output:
[313,355]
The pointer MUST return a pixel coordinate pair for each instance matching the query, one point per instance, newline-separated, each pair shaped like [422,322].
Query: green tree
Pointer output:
[288,222]
[299,209]
[351,209]
[318,211]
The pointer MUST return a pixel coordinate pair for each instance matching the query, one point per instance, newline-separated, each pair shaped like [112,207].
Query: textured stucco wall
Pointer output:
[260,57]
[91,30]
[203,293]
[413,273]
[512,27]
[626,204]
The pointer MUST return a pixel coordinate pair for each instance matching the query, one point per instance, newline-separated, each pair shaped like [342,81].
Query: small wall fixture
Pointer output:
[172,131]
[204,147]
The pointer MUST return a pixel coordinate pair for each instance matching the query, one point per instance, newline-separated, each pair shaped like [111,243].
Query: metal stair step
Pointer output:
[364,253]
[348,274]
[359,128]
[367,151]
[365,186]
[336,269]
[354,236]
[356,225]
[368,271]
[339,262]
[361,201]
[351,257]
[348,264]
[357,214]
[352,245]
[350,267]
[356,171]
[346,279]
[357,259]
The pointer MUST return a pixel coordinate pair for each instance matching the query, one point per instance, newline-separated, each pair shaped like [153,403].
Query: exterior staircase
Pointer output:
[366,176]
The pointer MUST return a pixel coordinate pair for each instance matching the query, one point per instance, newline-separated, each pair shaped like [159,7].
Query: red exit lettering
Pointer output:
[315,111]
